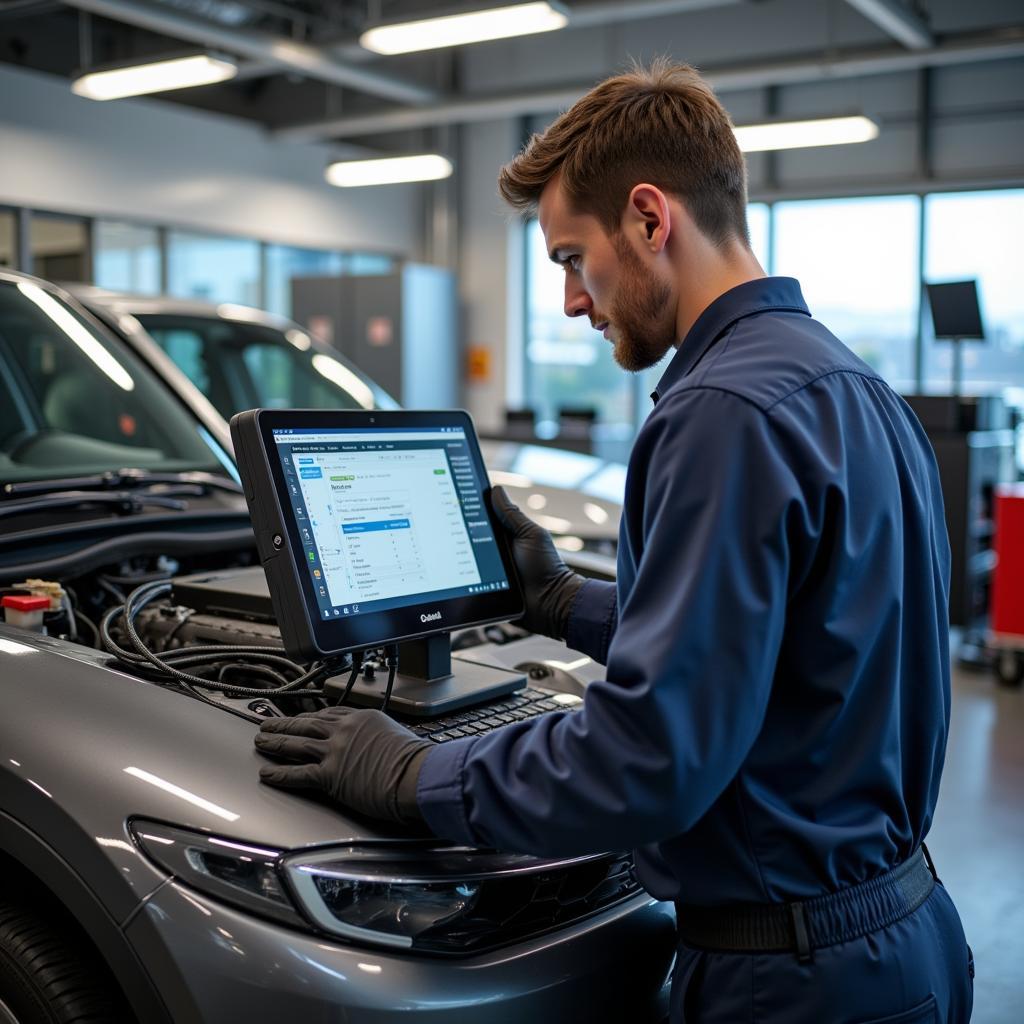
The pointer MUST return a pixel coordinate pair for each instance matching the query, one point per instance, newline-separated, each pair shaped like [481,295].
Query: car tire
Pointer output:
[48,978]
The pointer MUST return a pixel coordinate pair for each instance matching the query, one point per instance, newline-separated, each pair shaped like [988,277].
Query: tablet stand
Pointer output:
[429,684]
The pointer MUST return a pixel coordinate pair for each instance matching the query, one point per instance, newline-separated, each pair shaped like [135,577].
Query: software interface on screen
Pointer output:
[388,517]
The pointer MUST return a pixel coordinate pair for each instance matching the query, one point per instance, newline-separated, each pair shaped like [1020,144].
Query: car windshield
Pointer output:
[240,365]
[74,401]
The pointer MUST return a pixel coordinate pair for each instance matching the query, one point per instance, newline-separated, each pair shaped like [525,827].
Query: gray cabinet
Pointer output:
[399,328]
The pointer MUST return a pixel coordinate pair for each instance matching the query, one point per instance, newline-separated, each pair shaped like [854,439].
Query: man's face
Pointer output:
[608,280]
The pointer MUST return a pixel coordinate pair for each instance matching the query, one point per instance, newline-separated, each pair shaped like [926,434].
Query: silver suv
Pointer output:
[148,875]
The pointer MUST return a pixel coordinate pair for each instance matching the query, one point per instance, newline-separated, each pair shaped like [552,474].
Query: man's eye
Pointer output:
[573,263]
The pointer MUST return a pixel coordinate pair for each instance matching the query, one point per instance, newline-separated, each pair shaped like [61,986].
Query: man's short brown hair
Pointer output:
[661,125]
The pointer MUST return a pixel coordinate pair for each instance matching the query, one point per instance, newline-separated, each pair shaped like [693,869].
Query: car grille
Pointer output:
[510,909]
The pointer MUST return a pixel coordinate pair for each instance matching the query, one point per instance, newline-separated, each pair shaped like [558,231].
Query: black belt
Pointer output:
[811,924]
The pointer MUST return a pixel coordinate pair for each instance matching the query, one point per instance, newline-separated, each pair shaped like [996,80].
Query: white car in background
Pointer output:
[237,357]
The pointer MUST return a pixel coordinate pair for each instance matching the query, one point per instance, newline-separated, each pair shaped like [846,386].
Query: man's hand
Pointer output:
[549,585]
[361,759]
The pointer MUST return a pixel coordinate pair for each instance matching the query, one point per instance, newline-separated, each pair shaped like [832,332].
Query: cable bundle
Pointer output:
[287,678]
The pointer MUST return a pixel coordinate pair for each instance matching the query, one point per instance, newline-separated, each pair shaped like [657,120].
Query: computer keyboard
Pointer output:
[526,703]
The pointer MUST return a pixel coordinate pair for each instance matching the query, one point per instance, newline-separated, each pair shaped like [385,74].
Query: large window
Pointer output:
[758,220]
[860,265]
[758,217]
[857,263]
[214,269]
[126,257]
[978,235]
[568,364]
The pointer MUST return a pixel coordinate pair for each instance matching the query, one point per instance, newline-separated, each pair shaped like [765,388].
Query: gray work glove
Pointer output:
[549,585]
[361,759]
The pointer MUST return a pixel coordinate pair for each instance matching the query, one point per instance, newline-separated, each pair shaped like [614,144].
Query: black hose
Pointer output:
[84,619]
[111,550]
[357,667]
[263,659]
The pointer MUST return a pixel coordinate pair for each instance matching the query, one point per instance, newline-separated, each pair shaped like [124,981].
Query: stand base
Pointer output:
[421,698]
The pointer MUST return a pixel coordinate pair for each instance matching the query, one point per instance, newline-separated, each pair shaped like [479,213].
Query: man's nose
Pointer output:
[577,301]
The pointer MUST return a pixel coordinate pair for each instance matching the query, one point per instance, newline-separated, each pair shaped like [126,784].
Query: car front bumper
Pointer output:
[214,964]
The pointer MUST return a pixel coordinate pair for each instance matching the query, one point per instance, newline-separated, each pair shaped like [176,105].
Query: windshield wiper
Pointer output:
[123,479]
[121,503]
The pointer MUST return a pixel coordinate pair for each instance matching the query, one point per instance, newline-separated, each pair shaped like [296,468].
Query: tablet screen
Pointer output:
[372,526]
[388,517]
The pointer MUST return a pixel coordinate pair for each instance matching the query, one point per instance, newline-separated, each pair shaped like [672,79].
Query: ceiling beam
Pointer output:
[581,14]
[284,54]
[898,20]
[852,64]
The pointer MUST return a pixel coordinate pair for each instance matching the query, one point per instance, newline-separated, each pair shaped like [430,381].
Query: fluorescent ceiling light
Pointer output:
[388,170]
[459,29]
[158,76]
[826,131]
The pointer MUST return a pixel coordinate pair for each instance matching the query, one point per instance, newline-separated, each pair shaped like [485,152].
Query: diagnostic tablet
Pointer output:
[372,527]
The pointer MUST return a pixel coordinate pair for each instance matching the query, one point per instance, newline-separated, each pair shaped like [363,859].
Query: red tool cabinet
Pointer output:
[1007,608]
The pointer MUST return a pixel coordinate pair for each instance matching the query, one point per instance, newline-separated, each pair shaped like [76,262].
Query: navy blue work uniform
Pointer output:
[774,718]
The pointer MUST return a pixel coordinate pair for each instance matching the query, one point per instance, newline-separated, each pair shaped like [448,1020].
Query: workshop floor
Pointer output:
[977,839]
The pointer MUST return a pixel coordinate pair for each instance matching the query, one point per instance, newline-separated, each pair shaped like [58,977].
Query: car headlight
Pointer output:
[451,899]
[418,896]
[242,874]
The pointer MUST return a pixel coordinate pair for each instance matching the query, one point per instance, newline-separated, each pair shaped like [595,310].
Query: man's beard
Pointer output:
[644,330]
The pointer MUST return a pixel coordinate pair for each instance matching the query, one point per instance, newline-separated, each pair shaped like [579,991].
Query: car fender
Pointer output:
[59,878]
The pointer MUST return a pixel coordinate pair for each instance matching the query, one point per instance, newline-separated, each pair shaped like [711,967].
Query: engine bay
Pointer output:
[205,626]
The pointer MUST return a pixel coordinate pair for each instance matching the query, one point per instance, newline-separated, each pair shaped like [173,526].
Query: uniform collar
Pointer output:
[758,296]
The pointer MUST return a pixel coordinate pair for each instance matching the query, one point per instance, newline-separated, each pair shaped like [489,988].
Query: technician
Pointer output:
[773,724]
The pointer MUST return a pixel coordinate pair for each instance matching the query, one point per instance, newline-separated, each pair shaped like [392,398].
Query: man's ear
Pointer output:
[647,217]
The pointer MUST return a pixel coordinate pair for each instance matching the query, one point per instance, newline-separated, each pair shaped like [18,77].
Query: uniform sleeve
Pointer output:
[593,619]
[690,667]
